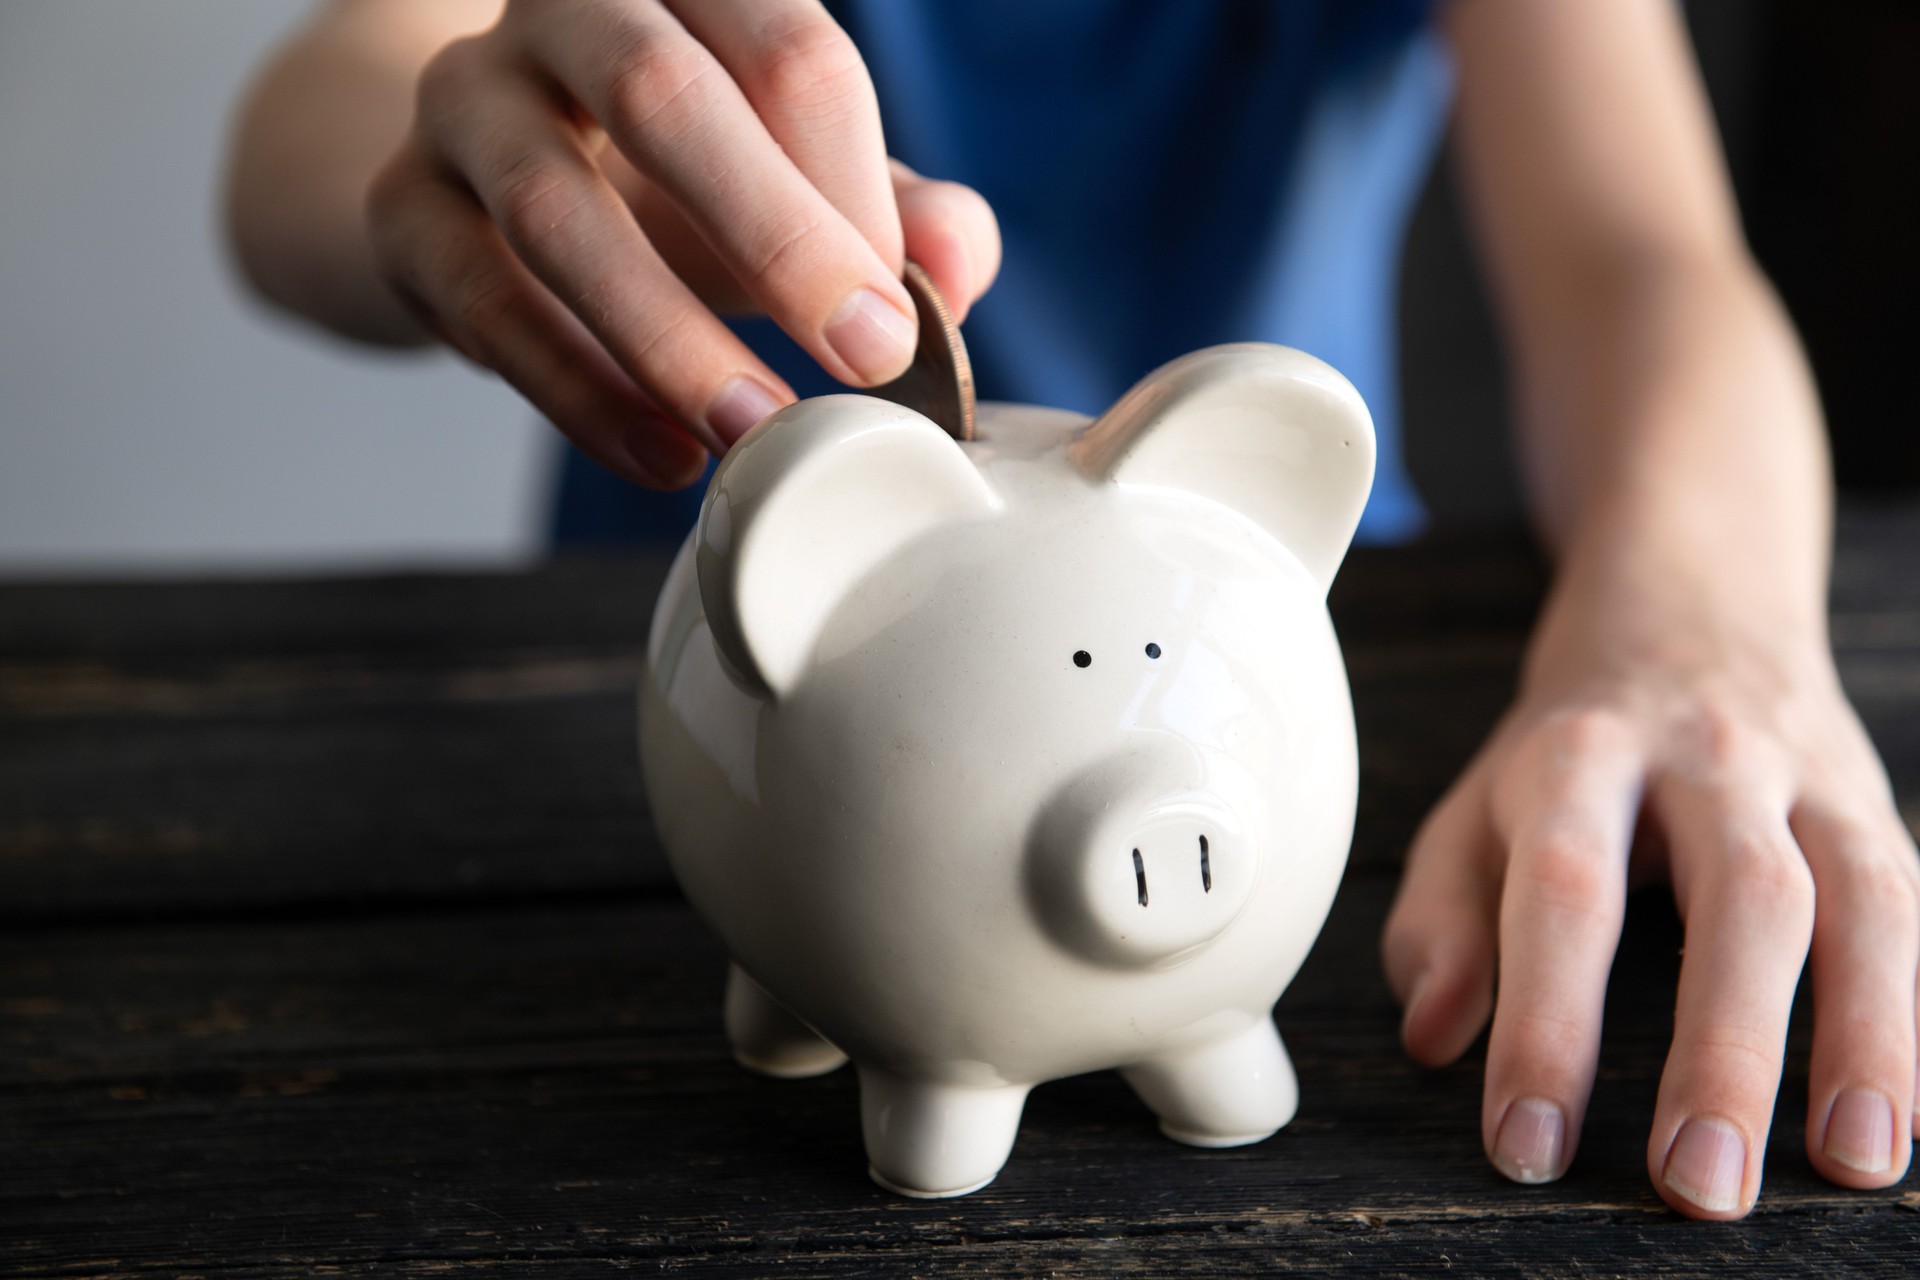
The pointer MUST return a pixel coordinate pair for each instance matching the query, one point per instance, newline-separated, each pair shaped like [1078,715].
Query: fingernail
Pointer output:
[1532,1141]
[739,408]
[1860,1131]
[1707,1164]
[871,335]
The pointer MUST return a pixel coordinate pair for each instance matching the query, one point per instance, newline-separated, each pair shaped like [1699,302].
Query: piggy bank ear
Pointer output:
[1271,432]
[803,507]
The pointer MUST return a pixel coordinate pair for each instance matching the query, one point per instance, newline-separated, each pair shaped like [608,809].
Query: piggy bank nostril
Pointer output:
[1110,859]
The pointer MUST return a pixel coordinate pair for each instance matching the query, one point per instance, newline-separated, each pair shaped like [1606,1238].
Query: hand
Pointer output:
[588,180]
[1758,796]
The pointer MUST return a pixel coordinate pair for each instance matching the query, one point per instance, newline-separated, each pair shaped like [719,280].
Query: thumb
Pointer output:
[951,232]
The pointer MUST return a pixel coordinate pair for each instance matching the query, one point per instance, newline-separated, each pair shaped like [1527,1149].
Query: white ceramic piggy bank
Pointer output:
[1003,761]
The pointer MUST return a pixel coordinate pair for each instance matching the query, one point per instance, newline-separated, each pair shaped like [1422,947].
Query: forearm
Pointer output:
[1679,715]
[1677,465]
[1670,433]
[322,118]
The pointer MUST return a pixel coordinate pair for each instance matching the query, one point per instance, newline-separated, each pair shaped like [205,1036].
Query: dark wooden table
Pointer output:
[333,936]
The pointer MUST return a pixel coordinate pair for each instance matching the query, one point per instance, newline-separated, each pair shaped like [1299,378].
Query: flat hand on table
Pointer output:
[588,181]
[1729,764]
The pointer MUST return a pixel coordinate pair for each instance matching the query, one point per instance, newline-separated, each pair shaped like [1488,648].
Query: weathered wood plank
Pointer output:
[334,937]
[247,746]
[322,805]
[591,603]
[495,1090]
[596,602]
[244,746]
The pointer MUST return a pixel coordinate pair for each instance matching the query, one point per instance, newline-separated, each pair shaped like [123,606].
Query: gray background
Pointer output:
[151,417]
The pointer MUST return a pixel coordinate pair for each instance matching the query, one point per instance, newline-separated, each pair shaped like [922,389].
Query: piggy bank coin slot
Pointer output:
[1206,868]
[1140,876]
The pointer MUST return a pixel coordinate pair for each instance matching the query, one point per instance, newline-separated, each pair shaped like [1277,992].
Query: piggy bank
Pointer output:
[997,762]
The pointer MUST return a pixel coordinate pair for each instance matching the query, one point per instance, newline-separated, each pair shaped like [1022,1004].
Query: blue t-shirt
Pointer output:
[1168,174]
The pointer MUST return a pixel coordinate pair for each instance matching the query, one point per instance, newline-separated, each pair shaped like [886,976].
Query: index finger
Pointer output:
[806,81]
[679,118]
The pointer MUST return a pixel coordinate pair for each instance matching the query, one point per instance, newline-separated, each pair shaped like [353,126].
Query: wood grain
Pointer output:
[333,937]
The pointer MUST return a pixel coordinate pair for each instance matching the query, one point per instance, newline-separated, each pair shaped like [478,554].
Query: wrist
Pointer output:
[1623,607]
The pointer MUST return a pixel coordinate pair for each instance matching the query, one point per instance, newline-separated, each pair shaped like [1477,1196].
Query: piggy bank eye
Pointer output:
[1081,658]
[1153,650]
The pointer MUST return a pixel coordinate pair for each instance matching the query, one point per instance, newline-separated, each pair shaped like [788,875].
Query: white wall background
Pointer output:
[152,418]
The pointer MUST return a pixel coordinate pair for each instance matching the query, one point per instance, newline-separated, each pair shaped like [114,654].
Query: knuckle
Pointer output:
[483,304]
[1569,872]
[1771,875]
[1584,731]
[534,198]
[797,243]
[397,213]
[1722,741]
[655,348]
[1737,1053]
[661,84]
[1888,888]
[447,78]
[388,198]
[806,62]
[1545,1043]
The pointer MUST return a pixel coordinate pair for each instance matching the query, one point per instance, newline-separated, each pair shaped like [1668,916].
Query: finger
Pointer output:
[1866,951]
[1746,895]
[682,121]
[1438,942]
[806,81]
[446,259]
[672,236]
[1566,803]
[528,165]
[952,233]
[949,229]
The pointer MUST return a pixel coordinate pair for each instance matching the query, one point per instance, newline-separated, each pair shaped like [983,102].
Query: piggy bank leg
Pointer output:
[768,1039]
[1224,1094]
[931,1141]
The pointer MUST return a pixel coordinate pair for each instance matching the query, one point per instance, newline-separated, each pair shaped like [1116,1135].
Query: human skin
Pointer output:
[1679,716]
[567,191]
[1680,685]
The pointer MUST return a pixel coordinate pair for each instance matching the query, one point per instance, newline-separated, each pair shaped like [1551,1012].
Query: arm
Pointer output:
[566,191]
[320,120]
[1679,714]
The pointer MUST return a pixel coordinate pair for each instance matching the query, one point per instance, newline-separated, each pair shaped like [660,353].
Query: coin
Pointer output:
[939,382]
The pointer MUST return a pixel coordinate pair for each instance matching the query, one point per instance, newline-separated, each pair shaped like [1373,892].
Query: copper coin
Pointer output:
[939,382]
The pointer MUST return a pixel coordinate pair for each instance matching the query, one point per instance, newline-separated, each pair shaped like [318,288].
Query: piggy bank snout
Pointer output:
[1134,865]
